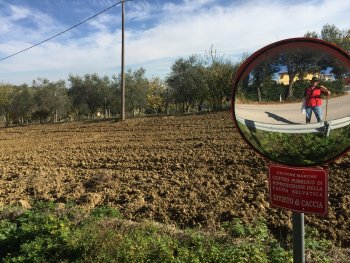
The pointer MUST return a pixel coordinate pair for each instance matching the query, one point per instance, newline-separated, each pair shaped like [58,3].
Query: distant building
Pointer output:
[283,77]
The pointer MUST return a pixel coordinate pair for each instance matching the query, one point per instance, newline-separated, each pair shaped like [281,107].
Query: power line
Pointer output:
[65,31]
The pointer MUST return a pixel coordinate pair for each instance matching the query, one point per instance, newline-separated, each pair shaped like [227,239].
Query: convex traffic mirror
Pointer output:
[291,101]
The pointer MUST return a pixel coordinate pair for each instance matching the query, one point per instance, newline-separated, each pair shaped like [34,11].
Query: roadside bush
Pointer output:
[274,91]
[47,233]
[269,93]
[299,88]
[335,87]
[36,235]
[315,242]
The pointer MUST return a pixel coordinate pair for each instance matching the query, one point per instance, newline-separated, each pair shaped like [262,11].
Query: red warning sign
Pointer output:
[303,190]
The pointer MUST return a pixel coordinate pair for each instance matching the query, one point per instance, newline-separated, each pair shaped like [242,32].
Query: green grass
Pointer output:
[47,233]
[299,149]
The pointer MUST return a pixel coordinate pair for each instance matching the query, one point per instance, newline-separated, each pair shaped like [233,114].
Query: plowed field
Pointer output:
[192,171]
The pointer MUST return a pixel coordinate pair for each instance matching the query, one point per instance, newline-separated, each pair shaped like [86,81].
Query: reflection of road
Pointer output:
[290,113]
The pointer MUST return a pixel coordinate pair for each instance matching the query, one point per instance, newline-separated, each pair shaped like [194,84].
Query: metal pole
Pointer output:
[325,118]
[122,106]
[298,238]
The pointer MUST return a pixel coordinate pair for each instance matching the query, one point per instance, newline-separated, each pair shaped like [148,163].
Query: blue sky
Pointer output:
[157,32]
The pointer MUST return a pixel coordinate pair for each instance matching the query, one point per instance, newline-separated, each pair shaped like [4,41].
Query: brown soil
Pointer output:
[192,171]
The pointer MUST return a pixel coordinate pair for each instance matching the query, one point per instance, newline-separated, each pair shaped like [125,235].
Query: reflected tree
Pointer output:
[262,77]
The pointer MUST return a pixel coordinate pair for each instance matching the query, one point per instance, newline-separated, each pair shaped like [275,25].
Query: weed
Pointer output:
[46,234]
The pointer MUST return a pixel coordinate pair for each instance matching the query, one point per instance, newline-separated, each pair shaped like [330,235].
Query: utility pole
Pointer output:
[122,106]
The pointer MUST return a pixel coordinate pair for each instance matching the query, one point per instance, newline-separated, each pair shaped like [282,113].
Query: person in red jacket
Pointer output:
[313,100]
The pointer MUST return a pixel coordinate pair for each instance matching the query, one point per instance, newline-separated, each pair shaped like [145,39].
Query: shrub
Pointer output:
[48,234]
[36,235]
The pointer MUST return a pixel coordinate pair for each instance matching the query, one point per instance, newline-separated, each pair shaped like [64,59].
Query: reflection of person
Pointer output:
[313,100]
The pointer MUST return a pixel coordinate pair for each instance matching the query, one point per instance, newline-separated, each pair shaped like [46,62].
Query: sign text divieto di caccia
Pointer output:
[303,190]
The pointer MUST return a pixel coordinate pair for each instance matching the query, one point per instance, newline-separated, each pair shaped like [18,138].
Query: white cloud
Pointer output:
[178,30]
[139,10]
[103,22]
[13,25]
[187,6]
[18,13]
[249,26]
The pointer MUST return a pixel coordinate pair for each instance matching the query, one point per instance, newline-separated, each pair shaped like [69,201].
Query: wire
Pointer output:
[65,31]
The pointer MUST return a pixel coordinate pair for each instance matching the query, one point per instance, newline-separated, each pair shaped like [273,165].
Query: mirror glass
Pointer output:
[291,101]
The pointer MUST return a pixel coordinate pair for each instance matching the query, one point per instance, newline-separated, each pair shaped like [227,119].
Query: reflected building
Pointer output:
[283,77]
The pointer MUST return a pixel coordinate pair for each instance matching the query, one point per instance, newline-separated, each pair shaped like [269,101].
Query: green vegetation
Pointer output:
[298,148]
[260,84]
[334,35]
[193,85]
[47,233]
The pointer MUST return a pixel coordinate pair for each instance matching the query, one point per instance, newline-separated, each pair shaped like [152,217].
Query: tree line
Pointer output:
[196,83]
